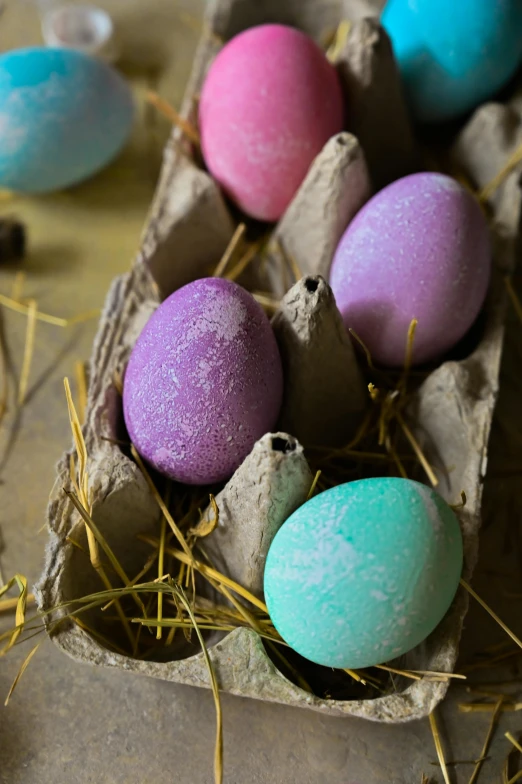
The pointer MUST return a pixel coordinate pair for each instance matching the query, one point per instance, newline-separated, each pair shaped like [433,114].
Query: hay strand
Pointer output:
[18,286]
[487,741]
[19,307]
[210,572]
[245,259]
[168,111]
[81,389]
[513,740]
[438,747]
[175,530]
[418,451]
[81,482]
[314,485]
[230,250]
[8,605]
[28,351]
[20,672]
[494,184]
[20,608]
[488,609]
[339,40]
[290,260]
[218,752]
[161,560]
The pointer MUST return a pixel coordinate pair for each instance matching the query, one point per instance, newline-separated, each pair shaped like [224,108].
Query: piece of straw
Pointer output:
[245,260]
[314,485]
[168,111]
[21,605]
[410,339]
[81,389]
[416,448]
[438,747]
[20,672]
[18,286]
[364,347]
[487,741]
[290,260]
[8,605]
[494,184]
[161,559]
[269,303]
[513,740]
[339,40]
[82,485]
[19,307]
[487,707]
[208,571]
[218,751]
[4,385]
[230,249]
[28,351]
[488,609]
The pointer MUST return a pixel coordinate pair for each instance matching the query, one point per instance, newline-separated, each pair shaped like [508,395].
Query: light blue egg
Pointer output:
[453,54]
[363,572]
[63,116]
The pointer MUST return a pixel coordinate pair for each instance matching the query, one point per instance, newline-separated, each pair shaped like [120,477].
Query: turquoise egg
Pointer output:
[453,54]
[363,572]
[63,116]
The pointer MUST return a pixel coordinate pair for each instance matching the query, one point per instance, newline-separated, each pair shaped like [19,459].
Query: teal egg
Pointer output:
[63,116]
[363,572]
[453,54]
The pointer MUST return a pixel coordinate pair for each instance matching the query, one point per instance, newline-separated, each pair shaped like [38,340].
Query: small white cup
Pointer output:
[84,27]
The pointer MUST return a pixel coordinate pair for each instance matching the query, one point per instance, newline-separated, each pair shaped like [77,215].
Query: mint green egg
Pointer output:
[363,572]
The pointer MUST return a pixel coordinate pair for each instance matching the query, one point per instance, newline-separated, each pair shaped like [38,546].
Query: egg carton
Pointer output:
[188,229]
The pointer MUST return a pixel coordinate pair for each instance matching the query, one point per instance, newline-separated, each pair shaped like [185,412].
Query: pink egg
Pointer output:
[204,382]
[270,102]
[419,249]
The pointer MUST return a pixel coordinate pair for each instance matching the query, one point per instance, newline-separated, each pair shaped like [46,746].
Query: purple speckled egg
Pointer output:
[204,382]
[419,249]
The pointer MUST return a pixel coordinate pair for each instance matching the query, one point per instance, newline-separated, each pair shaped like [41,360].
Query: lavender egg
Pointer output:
[418,249]
[204,382]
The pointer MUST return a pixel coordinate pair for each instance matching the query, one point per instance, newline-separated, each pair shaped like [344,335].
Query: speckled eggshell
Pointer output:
[63,116]
[419,249]
[270,102]
[204,382]
[363,572]
[453,54]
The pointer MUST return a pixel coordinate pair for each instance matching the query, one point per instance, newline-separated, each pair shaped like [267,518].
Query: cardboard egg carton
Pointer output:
[188,229]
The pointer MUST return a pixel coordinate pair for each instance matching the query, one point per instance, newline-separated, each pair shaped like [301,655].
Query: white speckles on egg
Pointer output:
[419,249]
[339,568]
[206,360]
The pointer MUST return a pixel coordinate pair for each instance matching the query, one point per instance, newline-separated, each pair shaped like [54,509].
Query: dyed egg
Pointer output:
[63,116]
[270,102]
[419,249]
[453,55]
[204,382]
[363,572]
